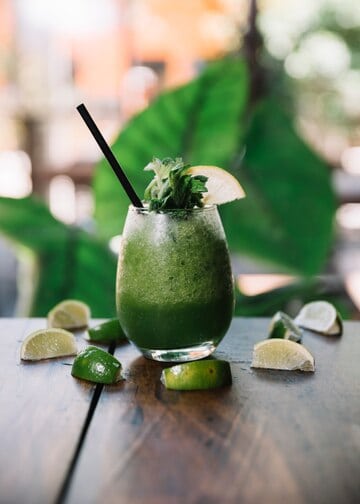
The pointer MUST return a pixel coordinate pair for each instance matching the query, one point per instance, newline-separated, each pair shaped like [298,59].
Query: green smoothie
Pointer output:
[174,291]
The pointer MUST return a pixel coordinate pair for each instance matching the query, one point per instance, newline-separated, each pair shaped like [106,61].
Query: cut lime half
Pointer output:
[282,326]
[47,344]
[320,316]
[282,354]
[69,314]
[197,375]
[106,332]
[96,365]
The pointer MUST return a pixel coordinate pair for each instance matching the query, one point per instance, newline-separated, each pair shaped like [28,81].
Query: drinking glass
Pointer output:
[174,286]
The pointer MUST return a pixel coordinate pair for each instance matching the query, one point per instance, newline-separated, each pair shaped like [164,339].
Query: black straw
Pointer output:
[100,140]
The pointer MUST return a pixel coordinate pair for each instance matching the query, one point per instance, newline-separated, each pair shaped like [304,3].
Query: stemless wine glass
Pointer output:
[174,288]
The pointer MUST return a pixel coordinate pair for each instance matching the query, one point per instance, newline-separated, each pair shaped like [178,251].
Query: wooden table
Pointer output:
[271,437]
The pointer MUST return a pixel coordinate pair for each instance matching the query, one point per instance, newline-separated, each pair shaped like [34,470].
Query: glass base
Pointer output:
[180,354]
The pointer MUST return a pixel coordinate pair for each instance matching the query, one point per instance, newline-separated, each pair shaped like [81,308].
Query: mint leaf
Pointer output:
[172,187]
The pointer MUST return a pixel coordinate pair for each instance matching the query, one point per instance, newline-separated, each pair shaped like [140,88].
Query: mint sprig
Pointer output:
[172,187]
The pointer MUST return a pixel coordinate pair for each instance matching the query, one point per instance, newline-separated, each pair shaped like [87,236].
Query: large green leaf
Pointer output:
[201,121]
[70,263]
[287,216]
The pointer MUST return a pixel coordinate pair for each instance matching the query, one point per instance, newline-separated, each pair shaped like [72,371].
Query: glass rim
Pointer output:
[145,209]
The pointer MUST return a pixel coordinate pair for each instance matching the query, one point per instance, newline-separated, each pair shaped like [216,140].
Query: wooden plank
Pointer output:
[271,437]
[42,410]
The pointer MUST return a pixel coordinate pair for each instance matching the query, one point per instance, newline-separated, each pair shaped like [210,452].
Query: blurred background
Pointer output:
[118,57]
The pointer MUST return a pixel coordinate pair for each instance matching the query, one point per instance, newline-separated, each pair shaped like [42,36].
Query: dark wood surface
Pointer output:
[271,437]
[42,410]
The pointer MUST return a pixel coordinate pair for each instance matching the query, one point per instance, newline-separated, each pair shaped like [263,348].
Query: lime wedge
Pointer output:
[282,354]
[69,314]
[47,344]
[106,332]
[197,375]
[222,187]
[96,365]
[320,316]
[282,326]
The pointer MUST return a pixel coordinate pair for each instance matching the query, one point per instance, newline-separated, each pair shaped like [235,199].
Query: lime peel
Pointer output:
[197,375]
[96,365]
[48,344]
[282,326]
[106,332]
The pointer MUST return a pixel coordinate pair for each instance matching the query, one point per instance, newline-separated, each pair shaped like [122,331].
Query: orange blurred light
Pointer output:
[352,285]
[251,285]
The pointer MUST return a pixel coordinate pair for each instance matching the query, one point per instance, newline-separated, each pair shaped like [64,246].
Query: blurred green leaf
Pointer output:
[70,262]
[287,216]
[201,122]
[292,297]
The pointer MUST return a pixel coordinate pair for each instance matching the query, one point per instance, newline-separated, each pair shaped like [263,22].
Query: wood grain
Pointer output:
[271,437]
[42,410]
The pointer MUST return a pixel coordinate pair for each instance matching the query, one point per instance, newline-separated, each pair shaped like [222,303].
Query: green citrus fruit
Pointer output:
[320,316]
[282,354]
[47,344]
[204,374]
[96,365]
[69,314]
[106,332]
[282,326]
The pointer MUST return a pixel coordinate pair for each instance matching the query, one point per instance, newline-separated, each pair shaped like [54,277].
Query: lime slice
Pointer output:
[197,375]
[47,344]
[320,316]
[282,354]
[106,332]
[69,314]
[221,185]
[96,365]
[282,326]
